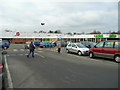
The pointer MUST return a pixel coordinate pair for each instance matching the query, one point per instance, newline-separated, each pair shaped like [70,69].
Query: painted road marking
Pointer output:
[21,54]
[40,55]
[15,50]
[39,51]
[22,50]
[10,84]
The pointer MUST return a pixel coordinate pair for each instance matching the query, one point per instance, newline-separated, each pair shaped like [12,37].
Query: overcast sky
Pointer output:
[74,16]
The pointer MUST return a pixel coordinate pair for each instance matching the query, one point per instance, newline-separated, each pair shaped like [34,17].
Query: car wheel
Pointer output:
[67,51]
[117,58]
[91,55]
[79,53]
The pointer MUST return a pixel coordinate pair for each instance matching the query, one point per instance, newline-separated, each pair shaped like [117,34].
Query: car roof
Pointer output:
[111,41]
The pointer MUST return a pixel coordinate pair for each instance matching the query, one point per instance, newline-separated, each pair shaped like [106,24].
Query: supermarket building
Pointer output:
[22,37]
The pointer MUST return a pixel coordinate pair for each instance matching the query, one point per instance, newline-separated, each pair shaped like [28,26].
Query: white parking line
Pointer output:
[10,84]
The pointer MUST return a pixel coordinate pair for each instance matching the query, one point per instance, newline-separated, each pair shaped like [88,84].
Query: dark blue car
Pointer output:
[4,44]
[46,44]
[88,44]
[36,43]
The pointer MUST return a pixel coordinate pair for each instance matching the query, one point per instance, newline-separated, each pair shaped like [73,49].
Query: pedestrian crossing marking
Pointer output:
[22,50]
[15,50]
[21,54]
[40,55]
[37,50]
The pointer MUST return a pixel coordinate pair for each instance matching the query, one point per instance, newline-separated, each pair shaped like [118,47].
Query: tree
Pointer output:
[51,31]
[95,32]
[8,30]
[42,31]
[35,32]
[74,33]
[58,31]
[69,33]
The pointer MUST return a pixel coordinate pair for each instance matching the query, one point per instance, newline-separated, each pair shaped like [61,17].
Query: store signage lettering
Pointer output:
[99,36]
[112,35]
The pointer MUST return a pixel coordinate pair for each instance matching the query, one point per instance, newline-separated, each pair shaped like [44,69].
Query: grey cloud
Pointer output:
[67,16]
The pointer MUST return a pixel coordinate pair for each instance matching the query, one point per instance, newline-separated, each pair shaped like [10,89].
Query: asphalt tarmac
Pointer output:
[48,69]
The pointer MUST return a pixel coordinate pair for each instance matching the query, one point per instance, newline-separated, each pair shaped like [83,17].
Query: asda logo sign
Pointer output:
[106,36]
[99,36]
[112,36]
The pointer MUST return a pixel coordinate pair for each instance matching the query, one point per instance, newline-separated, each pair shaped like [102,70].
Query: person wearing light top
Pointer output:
[59,46]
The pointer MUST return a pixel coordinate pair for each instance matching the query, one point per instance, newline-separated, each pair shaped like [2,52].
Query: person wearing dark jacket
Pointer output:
[31,48]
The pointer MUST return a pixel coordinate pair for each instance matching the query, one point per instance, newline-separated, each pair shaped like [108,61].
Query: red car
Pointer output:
[1,67]
[107,49]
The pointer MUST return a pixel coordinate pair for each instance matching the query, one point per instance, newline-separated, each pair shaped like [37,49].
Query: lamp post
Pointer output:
[42,25]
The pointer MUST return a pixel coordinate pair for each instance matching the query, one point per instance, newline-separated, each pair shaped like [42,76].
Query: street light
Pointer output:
[42,23]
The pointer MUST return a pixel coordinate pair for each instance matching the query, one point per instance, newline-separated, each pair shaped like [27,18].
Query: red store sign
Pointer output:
[17,34]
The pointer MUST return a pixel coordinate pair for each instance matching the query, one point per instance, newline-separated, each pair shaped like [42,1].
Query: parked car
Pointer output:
[37,43]
[0,45]
[27,45]
[107,49]
[52,44]
[1,73]
[4,44]
[88,44]
[46,44]
[77,48]
[63,43]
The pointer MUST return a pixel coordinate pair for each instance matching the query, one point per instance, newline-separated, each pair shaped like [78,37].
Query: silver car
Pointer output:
[77,48]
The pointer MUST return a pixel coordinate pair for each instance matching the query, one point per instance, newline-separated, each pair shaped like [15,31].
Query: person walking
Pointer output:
[31,48]
[59,46]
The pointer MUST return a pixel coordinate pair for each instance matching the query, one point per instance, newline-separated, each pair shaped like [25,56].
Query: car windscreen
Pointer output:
[92,43]
[80,46]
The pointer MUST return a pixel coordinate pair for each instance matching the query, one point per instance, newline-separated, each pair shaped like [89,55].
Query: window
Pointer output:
[73,45]
[69,45]
[100,45]
[117,45]
[108,45]
[81,46]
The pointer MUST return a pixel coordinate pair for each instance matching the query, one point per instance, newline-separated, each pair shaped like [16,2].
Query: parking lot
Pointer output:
[49,69]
